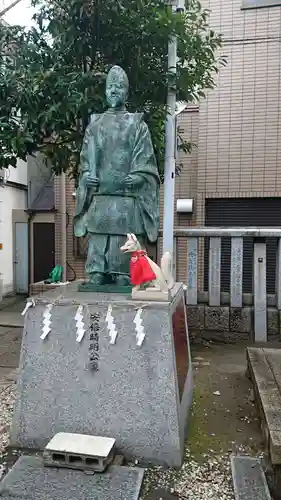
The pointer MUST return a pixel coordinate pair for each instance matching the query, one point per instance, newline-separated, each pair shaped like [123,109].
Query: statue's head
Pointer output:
[117,87]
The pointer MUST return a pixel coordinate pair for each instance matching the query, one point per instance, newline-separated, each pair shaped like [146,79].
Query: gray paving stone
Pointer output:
[11,358]
[249,479]
[11,319]
[29,479]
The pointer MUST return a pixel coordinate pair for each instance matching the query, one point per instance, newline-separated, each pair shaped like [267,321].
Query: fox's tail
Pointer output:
[167,269]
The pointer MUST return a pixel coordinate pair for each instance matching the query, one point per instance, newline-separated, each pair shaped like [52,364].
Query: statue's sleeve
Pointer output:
[84,165]
[143,158]
[147,196]
[82,191]
[84,168]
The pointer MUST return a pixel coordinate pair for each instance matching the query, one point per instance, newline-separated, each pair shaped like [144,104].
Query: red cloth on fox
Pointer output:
[140,270]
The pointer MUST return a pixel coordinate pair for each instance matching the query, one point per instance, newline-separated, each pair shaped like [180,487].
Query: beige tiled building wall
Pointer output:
[186,184]
[75,266]
[236,129]
[239,151]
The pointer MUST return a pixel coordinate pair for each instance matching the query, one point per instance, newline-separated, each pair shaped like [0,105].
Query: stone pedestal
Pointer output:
[138,394]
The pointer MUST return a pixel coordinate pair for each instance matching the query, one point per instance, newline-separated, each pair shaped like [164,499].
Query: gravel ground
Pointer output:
[210,479]
[7,398]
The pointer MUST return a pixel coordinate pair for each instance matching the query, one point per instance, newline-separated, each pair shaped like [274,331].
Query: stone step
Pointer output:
[79,451]
[249,479]
[265,373]
[29,479]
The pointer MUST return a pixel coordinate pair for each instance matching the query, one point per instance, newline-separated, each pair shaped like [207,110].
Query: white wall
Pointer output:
[10,198]
[38,173]
[18,174]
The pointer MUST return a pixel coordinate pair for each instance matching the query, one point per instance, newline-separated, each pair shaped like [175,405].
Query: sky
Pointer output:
[20,14]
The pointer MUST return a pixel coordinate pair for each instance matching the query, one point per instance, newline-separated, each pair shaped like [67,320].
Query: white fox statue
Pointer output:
[144,270]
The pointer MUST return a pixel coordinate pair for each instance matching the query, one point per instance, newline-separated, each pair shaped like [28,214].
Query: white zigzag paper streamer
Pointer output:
[79,324]
[111,326]
[139,328]
[47,315]
[29,304]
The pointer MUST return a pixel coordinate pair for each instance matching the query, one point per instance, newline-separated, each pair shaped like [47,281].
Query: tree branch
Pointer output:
[7,9]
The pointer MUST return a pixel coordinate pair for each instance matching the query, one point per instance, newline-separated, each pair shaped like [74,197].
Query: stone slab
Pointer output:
[236,272]
[192,265]
[249,479]
[29,479]
[217,318]
[264,370]
[275,447]
[214,271]
[259,282]
[273,357]
[138,394]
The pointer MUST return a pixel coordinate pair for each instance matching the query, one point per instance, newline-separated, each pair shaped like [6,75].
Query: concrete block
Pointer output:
[79,451]
[195,317]
[249,479]
[272,322]
[217,318]
[138,394]
[29,479]
[241,320]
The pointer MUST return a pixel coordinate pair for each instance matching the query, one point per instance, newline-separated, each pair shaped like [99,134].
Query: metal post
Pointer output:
[170,154]
[63,223]
[170,142]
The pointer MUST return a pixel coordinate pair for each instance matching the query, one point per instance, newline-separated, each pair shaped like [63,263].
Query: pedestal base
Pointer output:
[137,390]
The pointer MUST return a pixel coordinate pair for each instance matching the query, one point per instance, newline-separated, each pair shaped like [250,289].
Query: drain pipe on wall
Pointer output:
[63,223]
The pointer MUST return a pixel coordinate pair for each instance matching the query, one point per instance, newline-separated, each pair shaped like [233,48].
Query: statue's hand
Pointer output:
[92,182]
[133,181]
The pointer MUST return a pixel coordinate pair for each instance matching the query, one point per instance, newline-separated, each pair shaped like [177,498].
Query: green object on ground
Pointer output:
[55,275]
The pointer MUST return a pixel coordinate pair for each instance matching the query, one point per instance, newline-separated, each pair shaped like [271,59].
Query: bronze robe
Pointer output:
[116,144]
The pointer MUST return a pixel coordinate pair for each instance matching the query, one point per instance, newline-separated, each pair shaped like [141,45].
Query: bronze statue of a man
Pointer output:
[118,190]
